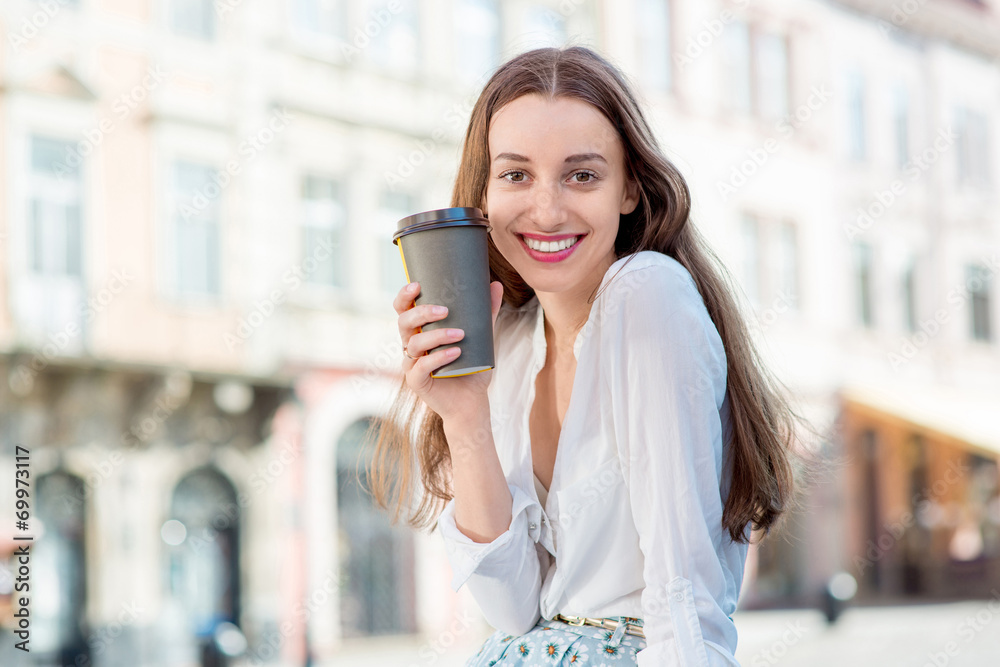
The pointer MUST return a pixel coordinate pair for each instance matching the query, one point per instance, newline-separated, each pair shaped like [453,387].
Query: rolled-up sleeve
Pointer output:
[504,576]
[668,383]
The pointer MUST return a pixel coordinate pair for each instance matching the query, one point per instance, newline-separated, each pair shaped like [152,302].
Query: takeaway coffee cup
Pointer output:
[446,252]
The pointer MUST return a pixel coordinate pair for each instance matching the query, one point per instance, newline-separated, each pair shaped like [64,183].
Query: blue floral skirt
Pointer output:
[559,643]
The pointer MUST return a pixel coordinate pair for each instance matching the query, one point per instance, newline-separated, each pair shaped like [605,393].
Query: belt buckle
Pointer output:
[577,621]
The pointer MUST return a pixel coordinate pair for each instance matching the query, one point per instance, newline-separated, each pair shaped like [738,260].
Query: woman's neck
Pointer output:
[567,312]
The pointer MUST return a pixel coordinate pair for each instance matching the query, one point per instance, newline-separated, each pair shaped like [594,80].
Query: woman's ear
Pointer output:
[630,198]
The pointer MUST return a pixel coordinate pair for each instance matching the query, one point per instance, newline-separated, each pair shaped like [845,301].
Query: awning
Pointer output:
[969,416]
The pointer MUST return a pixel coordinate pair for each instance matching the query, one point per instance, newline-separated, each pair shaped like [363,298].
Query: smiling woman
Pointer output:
[557,189]
[600,485]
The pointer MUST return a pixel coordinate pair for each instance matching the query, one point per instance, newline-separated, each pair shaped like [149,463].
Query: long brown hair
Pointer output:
[761,444]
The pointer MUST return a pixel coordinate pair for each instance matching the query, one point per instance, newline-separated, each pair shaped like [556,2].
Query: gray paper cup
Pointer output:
[446,252]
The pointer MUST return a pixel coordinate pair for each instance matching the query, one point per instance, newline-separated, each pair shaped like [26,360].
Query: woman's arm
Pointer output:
[668,384]
[485,529]
[482,498]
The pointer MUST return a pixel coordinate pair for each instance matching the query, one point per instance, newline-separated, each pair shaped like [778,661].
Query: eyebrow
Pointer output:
[586,157]
[579,157]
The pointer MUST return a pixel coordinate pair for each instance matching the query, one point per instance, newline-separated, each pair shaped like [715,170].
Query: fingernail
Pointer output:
[411,287]
[439,310]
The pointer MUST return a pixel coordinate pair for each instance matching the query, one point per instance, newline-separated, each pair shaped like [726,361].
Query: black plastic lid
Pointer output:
[442,217]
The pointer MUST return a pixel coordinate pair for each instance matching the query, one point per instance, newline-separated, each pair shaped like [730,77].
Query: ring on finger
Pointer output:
[408,354]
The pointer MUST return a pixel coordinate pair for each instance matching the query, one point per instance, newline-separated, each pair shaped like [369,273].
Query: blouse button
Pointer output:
[532,526]
[679,596]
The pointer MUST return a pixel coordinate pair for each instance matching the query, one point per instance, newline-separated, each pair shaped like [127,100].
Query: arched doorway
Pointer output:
[203,542]
[59,581]
[376,558]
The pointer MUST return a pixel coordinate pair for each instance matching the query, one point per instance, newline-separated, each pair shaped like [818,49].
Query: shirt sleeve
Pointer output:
[504,576]
[668,383]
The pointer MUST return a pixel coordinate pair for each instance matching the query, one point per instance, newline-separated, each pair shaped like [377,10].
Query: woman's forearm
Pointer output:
[482,497]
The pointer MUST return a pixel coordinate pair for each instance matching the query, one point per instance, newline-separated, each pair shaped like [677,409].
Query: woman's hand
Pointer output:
[449,397]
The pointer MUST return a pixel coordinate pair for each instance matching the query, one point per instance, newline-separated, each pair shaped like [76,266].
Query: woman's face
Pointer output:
[557,172]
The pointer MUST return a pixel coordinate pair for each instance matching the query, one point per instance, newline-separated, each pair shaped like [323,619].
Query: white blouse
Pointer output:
[540,490]
[632,521]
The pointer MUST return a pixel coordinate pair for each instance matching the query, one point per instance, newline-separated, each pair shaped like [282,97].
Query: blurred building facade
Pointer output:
[196,282]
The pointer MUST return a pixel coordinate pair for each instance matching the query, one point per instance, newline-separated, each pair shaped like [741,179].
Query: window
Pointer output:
[395,35]
[320,18]
[978,280]
[771,74]
[863,283]
[901,124]
[54,193]
[869,452]
[393,207]
[755,66]
[477,44]
[910,297]
[750,231]
[857,139]
[736,56]
[203,557]
[376,559]
[195,203]
[786,264]
[981,505]
[770,263]
[193,18]
[655,43]
[323,230]
[59,578]
[973,148]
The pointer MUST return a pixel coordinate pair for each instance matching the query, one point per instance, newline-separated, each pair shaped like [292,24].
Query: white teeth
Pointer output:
[550,246]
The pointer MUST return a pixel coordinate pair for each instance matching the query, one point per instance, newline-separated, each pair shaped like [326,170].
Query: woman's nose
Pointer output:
[547,205]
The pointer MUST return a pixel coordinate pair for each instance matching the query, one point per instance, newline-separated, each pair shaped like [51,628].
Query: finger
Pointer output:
[423,367]
[405,296]
[428,340]
[410,321]
[410,355]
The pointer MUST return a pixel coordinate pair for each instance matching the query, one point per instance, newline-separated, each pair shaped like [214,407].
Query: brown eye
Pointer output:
[513,176]
[583,177]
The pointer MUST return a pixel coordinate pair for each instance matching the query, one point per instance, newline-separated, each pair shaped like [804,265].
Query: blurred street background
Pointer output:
[196,275]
